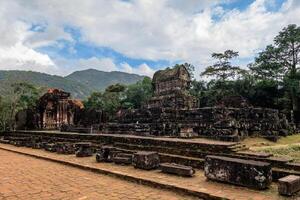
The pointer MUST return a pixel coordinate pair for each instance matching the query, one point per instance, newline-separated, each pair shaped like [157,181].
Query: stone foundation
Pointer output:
[222,123]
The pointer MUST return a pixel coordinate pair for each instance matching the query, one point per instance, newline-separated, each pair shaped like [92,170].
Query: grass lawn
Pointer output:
[286,146]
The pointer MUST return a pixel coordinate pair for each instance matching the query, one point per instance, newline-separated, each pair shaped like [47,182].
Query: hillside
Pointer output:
[80,83]
[99,80]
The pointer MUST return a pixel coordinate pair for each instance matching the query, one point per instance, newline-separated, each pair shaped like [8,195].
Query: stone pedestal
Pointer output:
[83,149]
[249,173]
[289,185]
[145,160]
[180,170]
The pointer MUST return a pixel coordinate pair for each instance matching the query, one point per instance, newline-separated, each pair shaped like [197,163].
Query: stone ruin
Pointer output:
[56,109]
[172,111]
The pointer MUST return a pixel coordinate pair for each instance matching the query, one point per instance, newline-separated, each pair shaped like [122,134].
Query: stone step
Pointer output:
[255,154]
[124,155]
[293,166]
[173,158]
[278,173]
[122,160]
[164,149]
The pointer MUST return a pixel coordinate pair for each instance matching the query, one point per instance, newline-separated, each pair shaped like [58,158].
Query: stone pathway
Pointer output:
[197,184]
[23,177]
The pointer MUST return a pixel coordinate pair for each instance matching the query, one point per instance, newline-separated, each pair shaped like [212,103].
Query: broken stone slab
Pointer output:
[248,173]
[83,149]
[122,158]
[289,185]
[173,168]
[145,160]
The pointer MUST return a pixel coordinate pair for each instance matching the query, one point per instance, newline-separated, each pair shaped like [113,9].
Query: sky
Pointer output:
[135,36]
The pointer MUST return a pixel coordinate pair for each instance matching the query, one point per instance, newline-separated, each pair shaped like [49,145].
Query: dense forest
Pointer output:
[272,81]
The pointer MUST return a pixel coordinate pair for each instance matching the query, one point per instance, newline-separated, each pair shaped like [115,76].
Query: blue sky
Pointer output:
[79,49]
[136,36]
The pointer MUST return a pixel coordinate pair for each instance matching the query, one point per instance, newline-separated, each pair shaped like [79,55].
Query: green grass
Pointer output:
[288,147]
[257,141]
[288,151]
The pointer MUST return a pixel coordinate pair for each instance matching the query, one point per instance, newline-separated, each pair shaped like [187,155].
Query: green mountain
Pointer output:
[98,80]
[80,83]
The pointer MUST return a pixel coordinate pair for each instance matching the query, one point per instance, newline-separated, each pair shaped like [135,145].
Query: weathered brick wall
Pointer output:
[215,122]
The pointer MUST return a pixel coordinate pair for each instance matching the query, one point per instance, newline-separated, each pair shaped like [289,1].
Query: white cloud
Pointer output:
[103,64]
[23,58]
[142,69]
[164,29]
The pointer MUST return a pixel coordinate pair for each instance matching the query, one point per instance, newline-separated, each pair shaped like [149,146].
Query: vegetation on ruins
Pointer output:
[119,96]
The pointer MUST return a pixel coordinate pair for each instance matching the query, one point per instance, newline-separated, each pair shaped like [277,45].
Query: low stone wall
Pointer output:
[231,124]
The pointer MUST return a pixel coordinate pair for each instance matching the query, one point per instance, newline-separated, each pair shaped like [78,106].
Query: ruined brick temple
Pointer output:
[172,111]
[170,89]
[56,108]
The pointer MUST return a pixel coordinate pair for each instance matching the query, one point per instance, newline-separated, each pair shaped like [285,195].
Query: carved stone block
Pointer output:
[289,185]
[145,160]
[249,173]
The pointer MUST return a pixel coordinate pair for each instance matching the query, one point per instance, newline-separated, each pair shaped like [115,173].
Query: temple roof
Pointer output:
[171,73]
[78,103]
[53,94]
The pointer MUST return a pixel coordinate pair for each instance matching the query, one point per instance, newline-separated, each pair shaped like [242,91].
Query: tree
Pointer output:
[109,101]
[116,88]
[138,93]
[4,114]
[94,101]
[281,62]
[222,69]
[266,65]
[20,96]
[198,89]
